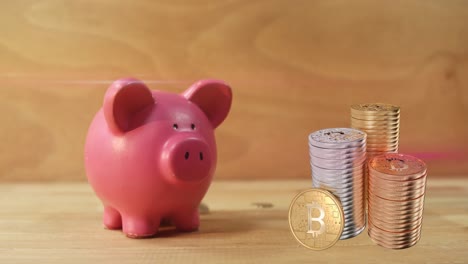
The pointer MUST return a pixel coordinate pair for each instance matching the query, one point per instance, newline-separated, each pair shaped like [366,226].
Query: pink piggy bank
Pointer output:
[150,155]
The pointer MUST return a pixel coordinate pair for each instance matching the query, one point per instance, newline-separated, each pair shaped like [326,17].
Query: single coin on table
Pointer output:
[316,219]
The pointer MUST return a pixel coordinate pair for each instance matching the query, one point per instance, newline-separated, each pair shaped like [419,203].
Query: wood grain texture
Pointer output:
[295,66]
[61,223]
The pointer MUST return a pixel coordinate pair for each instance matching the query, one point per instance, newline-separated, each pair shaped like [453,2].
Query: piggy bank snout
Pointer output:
[190,159]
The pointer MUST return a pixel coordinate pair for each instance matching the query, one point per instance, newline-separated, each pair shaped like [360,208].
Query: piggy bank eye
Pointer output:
[175,126]
[193,126]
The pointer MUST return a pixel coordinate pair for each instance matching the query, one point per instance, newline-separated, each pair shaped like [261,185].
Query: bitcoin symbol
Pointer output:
[398,165]
[322,208]
[319,219]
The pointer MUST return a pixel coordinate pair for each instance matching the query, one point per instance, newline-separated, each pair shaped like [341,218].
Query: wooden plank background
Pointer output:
[295,67]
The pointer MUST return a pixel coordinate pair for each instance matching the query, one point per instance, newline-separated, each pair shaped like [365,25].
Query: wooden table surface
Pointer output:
[246,223]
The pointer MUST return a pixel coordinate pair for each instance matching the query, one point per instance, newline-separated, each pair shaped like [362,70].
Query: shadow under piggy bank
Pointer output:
[216,222]
[223,222]
[232,222]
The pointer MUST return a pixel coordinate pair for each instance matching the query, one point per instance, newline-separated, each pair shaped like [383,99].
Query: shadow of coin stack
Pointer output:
[381,123]
[337,157]
[397,185]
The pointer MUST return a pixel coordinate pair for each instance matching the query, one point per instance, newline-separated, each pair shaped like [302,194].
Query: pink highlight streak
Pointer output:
[452,155]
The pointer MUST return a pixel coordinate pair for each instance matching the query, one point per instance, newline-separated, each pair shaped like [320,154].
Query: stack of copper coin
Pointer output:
[381,122]
[397,185]
[338,157]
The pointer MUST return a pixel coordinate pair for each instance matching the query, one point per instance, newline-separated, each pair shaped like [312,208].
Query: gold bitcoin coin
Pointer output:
[375,109]
[316,219]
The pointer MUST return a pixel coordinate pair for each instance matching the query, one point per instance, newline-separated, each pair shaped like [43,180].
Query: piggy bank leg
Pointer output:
[187,221]
[140,227]
[112,219]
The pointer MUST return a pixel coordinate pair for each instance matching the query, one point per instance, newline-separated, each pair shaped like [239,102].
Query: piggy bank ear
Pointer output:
[124,99]
[213,97]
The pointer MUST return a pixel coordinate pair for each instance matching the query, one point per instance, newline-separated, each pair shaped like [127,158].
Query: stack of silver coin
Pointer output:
[337,158]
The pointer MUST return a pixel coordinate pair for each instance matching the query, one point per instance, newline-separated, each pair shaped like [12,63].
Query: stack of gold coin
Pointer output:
[397,185]
[337,159]
[381,122]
